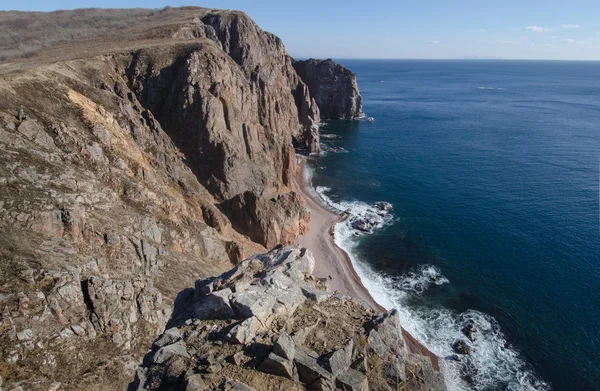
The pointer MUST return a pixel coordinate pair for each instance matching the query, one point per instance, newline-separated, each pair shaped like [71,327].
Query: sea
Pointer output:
[492,172]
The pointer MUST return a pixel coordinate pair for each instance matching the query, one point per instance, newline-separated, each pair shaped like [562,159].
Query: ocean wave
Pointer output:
[492,364]
[490,88]
[330,136]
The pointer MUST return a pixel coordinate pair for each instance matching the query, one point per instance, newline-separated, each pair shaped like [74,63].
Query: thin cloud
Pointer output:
[435,42]
[568,40]
[537,29]
[482,31]
[569,26]
[549,45]
[551,37]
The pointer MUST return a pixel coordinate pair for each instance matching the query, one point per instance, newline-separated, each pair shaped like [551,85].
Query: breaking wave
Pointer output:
[492,365]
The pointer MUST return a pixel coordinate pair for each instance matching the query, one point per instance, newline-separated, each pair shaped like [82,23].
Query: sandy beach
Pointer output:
[334,263]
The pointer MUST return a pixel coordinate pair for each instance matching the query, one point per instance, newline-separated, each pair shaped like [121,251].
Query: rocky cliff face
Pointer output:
[132,165]
[268,324]
[334,88]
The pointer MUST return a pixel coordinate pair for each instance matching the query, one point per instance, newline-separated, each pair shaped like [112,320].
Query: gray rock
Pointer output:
[169,337]
[214,306]
[169,352]
[352,380]
[277,365]
[253,302]
[341,359]
[244,332]
[285,346]
[308,368]
[241,387]
[315,294]
[322,384]
[194,382]
[461,347]
[299,336]
[25,335]
[421,374]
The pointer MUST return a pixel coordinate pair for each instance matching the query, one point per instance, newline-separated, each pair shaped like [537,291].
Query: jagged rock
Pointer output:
[300,336]
[308,368]
[194,382]
[469,330]
[340,360]
[277,365]
[214,306]
[244,332]
[322,384]
[421,375]
[352,380]
[285,347]
[168,352]
[315,294]
[169,337]
[386,341]
[461,347]
[253,302]
[334,88]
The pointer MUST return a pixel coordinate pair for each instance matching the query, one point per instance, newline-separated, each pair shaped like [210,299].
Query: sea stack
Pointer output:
[333,87]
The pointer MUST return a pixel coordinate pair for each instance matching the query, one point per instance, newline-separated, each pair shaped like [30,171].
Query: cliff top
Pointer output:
[28,39]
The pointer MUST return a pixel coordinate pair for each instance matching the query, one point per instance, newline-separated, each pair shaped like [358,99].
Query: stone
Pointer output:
[308,368]
[25,335]
[469,330]
[322,384]
[237,358]
[194,382]
[244,332]
[341,359]
[253,302]
[315,294]
[277,365]
[285,347]
[421,375]
[169,352]
[461,347]
[299,336]
[214,306]
[352,380]
[169,337]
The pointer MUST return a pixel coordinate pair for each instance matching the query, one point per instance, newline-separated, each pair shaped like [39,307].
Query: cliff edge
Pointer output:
[268,324]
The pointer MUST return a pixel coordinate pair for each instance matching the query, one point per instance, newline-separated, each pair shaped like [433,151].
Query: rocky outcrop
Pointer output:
[334,88]
[258,325]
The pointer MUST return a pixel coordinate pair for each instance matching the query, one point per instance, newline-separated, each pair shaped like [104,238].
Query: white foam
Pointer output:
[490,88]
[330,136]
[492,363]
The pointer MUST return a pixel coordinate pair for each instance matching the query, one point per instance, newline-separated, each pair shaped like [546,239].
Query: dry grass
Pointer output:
[24,34]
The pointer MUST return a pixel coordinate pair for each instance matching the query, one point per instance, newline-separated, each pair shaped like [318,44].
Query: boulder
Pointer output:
[352,380]
[340,360]
[253,302]
[308,368]
[244,332]
[277,365]
[169,352]
[461,347]
[214,306]
[169,337]
[285,346]
[469,330]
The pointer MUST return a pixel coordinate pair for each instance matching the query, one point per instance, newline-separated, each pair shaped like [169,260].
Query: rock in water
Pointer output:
[334,88]
[461,347]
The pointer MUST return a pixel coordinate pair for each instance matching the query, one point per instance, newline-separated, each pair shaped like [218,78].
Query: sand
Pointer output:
[334,263]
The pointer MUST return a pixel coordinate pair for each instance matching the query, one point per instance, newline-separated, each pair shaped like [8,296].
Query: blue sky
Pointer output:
[523,29]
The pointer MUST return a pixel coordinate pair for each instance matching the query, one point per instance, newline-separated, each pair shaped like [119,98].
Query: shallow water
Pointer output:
[492,169]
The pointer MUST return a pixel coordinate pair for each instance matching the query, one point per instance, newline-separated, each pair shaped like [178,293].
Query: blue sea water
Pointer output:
[492,168]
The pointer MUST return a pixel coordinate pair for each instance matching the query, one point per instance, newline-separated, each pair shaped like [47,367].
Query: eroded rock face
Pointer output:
[334,88]
[280,337]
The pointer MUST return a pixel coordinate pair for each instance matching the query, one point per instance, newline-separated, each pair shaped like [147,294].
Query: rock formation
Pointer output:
[268,324]
[334,88]
[133,164]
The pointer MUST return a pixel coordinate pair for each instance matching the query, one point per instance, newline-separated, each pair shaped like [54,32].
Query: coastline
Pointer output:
[334,263]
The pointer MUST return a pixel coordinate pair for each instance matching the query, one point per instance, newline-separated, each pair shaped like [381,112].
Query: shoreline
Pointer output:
[334,263]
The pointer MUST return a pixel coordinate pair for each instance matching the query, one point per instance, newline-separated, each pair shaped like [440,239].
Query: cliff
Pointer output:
[334,88]
[134,162]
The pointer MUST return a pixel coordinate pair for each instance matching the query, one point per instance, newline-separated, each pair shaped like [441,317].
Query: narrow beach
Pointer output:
[333,263]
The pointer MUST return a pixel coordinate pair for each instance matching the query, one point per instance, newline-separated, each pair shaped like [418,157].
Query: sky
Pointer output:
[430,29]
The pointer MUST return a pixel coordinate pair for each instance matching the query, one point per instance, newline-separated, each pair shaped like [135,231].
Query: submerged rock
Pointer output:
[461,347]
